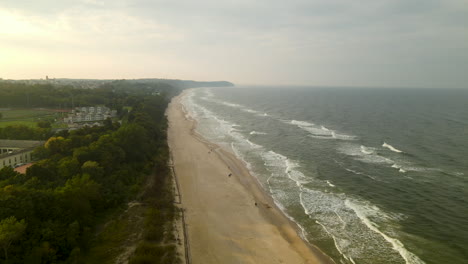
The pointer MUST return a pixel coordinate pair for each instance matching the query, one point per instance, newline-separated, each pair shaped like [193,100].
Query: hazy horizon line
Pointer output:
[241,85]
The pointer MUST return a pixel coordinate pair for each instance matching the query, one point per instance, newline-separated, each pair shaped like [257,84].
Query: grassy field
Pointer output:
[27,117]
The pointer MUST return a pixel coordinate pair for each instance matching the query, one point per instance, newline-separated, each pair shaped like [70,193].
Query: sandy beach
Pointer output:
[229,218]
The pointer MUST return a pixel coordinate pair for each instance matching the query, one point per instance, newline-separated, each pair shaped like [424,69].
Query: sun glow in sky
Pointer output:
[308,42]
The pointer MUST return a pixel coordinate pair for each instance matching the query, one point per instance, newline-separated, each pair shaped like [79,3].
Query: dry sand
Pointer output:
[224,224]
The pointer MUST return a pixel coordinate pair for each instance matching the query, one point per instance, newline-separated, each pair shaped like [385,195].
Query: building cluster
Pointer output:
[90,114]
[14,153]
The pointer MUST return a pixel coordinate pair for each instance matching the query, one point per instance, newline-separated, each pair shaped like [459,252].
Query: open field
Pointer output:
[27,117]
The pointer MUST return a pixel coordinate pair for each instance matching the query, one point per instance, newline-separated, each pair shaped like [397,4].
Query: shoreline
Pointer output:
[288,245]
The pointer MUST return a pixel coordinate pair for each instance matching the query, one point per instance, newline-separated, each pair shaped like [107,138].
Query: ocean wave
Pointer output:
[240,107]
[405,166]
[342,136]
[257,133]
[360,173]
[330,184]
[253,144]
[218,128]
[366,156]
[369,155]
[281,165]
[239,155]
[209,93]
[352,237]
[365,213]
[337,246]
[301,123]
[319,131]
[390,147]
[358,229]
[231,104]
[366,150]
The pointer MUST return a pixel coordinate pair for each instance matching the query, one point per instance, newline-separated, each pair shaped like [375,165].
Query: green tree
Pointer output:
[10,230]
[44,124]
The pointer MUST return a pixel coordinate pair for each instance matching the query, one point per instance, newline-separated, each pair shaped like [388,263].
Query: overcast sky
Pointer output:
[410,43]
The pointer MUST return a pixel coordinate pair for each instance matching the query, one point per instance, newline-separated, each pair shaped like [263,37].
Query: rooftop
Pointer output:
[22,144]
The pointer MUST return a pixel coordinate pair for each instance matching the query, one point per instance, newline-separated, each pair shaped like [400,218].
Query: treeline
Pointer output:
[49,214]
[112,94]
[22,132]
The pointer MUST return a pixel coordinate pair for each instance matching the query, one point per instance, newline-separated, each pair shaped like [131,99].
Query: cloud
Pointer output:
[341,42]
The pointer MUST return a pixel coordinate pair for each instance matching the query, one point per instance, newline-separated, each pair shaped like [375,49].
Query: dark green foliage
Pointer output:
[148,253]
[10,231]
[158,244]
[44,124]
[21,132]
[82,174]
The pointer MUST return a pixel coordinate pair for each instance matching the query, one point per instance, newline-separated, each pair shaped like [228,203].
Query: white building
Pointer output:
[14,152]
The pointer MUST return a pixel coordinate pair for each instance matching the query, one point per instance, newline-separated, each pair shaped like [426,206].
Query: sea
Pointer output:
[370,175]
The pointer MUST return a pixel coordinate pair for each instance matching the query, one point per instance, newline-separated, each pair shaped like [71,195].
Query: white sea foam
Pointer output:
[366,150]
[240,107]
[282,165]
[212,126]
[209,93]
[337,246]
[357,152]
[330,184]
[357,228]
[365,215]
[232,105]
[257,133]
[360,173]
[343,136]
[301,123]
[342,224]
[253,144]
[329,209]
[252,111]
[405,166]
[369,155]
[239,155]
[390,147]
[319,131]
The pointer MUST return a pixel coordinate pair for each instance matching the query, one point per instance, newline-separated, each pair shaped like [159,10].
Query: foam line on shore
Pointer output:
[409,257]
[319,205]
[237,156]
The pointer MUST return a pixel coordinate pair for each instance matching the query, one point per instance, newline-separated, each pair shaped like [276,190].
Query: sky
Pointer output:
[391,43]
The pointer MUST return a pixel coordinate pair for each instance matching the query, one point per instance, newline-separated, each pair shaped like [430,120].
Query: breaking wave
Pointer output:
[390,147]
[319,131]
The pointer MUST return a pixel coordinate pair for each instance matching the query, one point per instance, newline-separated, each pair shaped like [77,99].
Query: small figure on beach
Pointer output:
[255,203]
[230,174]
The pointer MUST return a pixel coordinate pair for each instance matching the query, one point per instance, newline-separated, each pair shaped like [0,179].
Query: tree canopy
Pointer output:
[81,174]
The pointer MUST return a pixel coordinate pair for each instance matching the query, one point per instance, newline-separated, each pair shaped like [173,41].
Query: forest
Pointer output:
[51,213]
